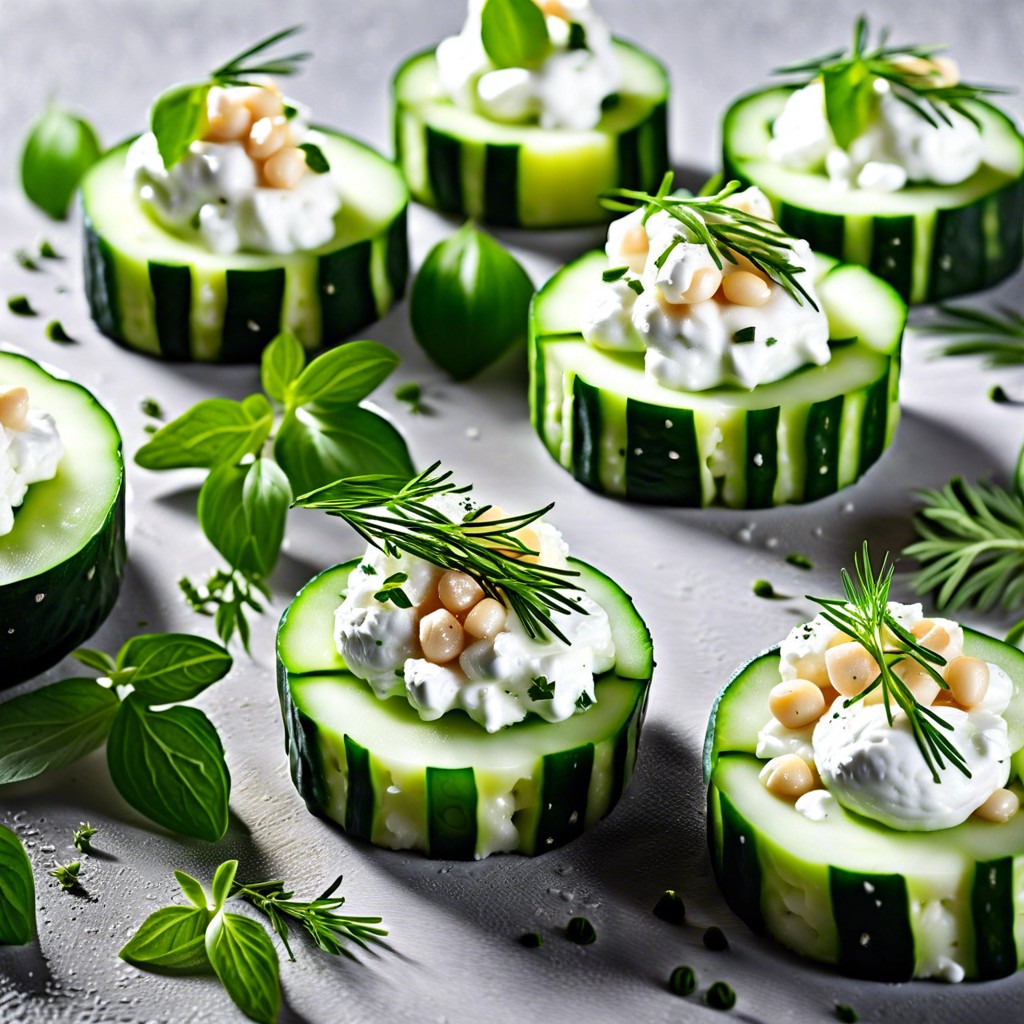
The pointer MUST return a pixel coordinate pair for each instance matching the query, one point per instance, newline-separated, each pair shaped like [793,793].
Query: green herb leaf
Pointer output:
[81,837]
[342,376]
[614,274]
[55,332]
[20,306]
[17,892]
[59,149]
[170,766]
[846,1014]
[584,701]
[635,285]
[316,450]
[744,335]
[213,432]
[47,251]
[25,261]
[53,726]
[412,393]
[580,931]
[171,941]
[315,159]
[470,301]
[99,660]
[282,362]
[193,890]
[514,33]
[223,880]
[173,667]
[850,100]
[177,119]
[67,875]
[246,963]
[763,588]
[391,590]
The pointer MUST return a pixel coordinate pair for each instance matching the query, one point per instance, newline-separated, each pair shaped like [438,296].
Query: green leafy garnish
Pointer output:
[391,590]
[727,232]
[397,516]
[764,588]
[580,931]
[17,892]
[614,274]
[411,393]
[168,764]
[20,306]
[178,116]
[514,33]
[865,617]
[59,149]
[81,837]
[55,332]
[25,261]
[315,159]
[800,561]
[849,76]
[67,875]
[541,689]
[305,430]
[997,337]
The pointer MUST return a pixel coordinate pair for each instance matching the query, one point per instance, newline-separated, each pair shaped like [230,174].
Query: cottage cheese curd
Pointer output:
[30,450]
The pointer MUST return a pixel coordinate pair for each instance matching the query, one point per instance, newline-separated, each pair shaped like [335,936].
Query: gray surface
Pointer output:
[453,926]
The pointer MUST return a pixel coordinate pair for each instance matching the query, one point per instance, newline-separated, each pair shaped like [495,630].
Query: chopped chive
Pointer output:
[531,940]
[577,36]
[55,332]
[636,284]
[48,252]
[541,689]
[20,306]
[580,931]
[682,981]
[584,701]
[290,112]
[666,252]
[411,393]
[611,101]
[1000,397]
[720,996]
[151,407]
[770,342]
[715,940]
[614,273]
[846,1014]
[762,588]
[743,336]
[315,159]
[25,261]
[800,561]
[670,907]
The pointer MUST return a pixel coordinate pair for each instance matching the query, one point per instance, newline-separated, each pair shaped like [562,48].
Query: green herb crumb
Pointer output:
[55,332]
[762,588]
[682,981]
[580,931]
[715,940]
[846,1014]
[670,907]
[82,837]
[25,261]
[744,336]
[48,252]
[720,996]
[67,875]
[800,561]
[151,407]
[20,306]
[531,940]
[412,393]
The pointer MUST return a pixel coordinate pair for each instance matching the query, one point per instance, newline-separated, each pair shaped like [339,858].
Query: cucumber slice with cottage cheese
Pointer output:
[930,242]
[794,440]
[61,565]
[166,296]
[460,162]
[876,902]
[447,787]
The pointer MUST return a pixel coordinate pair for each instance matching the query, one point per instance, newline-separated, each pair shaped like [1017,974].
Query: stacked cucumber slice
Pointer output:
[171,298]
[448,787]
[876,902]
[522,175]
[794,440]
[61,565]
[930,242]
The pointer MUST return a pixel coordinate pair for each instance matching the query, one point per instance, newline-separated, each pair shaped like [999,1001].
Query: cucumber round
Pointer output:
[447,787]
[61,565]
[460,162]
[848,891]
[794,440]
[163,295]
[930,242]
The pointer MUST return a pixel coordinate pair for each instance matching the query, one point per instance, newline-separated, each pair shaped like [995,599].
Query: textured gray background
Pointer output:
[453,926]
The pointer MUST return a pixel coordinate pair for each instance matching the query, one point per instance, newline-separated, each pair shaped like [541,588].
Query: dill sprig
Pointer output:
[864,615]
[727,232]
[320,918]
[237,72]
[997,337]
[396,516]
[919,83]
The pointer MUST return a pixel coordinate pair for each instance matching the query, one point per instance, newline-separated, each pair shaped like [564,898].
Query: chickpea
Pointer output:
[968,680]
[458,591]
[1001,806]
[918,680]
[634,247]
[13,407]
[703,285]
[227,121]
[267,136]
[441,637]
[487,619]
[796,703]
[788,776]
[262,101]
[285,168]
[850,668]
[746,289]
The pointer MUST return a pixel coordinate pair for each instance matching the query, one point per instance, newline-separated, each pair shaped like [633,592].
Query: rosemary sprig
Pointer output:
[727,232]
[864,615]
[997,337]
[236,72]
[396,516]
[849,75]
[320,918]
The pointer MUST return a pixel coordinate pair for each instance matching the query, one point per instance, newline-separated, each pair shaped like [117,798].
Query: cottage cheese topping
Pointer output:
[569,88]
[696,329]
[251,193]
[30,449]
[898,147]
[492,678]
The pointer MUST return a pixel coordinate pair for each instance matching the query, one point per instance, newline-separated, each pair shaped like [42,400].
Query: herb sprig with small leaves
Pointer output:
[915,79]
[864,615]
[396,516]
[998,338]
[730,234]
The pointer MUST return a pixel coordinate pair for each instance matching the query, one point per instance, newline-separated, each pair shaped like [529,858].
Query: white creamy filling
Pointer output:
[28,455]
[567,90]
[213,193]
[898,146]
[696,345]
[491,679]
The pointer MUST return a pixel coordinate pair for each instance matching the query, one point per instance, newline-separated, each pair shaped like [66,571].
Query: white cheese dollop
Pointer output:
[28,455]
[567,90]
[898,146]
[693,346]
[491,680]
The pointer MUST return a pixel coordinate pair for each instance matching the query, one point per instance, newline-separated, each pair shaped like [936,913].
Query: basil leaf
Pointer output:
[223,879]
[59,149]
[470,303]
[283,360]
[212,432]
[315,159]
[172,667]
[342,375]
[242,511]
[193,889]
[17,892]
[170,766]
[849,100]
[245,960]
[514,33]
[317,450]
[171,941]
[53,726]
[177,119]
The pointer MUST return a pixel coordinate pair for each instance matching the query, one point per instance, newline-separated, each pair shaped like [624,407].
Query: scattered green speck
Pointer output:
[800,561]
[720,996]
[20,306]
[580,931]
[762,588]
[682,981]
[55,332]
